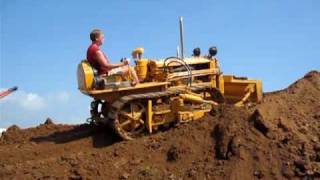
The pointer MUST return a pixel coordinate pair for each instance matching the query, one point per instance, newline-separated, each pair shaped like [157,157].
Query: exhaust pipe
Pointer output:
[178,52]
[181,38]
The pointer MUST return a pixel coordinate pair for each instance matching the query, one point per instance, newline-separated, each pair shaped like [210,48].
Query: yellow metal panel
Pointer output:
[198,114]
[138,86]
[142,68]
[212,64]
[190,61]
[221,83]
[85,75]
[194,73]
[259,90]
[236,89]
[149,116]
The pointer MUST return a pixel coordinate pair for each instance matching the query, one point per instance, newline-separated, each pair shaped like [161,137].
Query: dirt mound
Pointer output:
[277,139]
[292,120]
[15,134]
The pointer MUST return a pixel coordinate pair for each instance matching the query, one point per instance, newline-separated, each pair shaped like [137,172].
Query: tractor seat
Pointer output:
[109,81]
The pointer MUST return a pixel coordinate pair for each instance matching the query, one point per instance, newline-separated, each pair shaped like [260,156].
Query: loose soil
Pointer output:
[276,139]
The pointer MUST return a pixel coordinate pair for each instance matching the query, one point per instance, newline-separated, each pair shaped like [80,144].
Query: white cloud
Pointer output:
[36,102]
[62,97]
[27,109]
[27,101]
[33,102]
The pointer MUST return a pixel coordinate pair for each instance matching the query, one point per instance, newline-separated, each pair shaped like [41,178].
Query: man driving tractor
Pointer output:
[101,62]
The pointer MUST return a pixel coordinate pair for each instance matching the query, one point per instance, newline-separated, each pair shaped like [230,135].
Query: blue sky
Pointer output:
[43,41]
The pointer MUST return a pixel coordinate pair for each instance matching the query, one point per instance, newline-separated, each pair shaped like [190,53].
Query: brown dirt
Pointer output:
[276,139]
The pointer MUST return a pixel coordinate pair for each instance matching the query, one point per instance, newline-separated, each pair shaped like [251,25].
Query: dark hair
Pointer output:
[95,34]
[196,51]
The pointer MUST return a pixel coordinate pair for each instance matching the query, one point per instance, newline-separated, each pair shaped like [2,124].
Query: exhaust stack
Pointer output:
[181,38]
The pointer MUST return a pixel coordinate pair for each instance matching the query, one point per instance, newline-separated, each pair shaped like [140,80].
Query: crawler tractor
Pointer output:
[172,90]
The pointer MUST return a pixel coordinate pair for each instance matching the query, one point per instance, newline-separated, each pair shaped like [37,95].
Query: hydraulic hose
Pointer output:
[180,61]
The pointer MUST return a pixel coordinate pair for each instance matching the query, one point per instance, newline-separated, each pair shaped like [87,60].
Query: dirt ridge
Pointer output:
[276,139]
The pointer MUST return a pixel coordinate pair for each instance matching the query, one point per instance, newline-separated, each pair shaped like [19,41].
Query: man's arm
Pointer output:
[103,61]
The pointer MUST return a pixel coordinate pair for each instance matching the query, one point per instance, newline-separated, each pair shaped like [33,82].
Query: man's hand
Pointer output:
[124,61]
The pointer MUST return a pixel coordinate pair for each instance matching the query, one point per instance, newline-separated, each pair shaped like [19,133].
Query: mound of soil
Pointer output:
[276,139]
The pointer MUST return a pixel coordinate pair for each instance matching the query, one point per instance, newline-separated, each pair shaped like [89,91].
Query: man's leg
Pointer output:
[131,73]
[134,75]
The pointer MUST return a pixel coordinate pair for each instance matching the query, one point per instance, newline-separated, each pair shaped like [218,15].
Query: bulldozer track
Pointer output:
[119,104]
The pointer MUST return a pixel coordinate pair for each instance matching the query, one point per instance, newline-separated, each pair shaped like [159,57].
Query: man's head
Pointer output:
[97,36]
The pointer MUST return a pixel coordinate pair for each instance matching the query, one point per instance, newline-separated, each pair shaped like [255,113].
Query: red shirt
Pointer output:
[91,57]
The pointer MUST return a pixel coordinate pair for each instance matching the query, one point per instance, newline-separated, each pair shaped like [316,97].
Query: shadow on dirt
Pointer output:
[101,135]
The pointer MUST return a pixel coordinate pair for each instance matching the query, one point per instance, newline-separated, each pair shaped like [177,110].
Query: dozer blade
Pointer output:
[238,90]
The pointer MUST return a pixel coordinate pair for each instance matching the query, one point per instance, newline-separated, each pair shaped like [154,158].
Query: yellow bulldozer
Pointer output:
[172,90]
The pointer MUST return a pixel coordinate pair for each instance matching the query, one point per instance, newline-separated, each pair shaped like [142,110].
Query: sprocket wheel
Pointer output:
[129,121]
